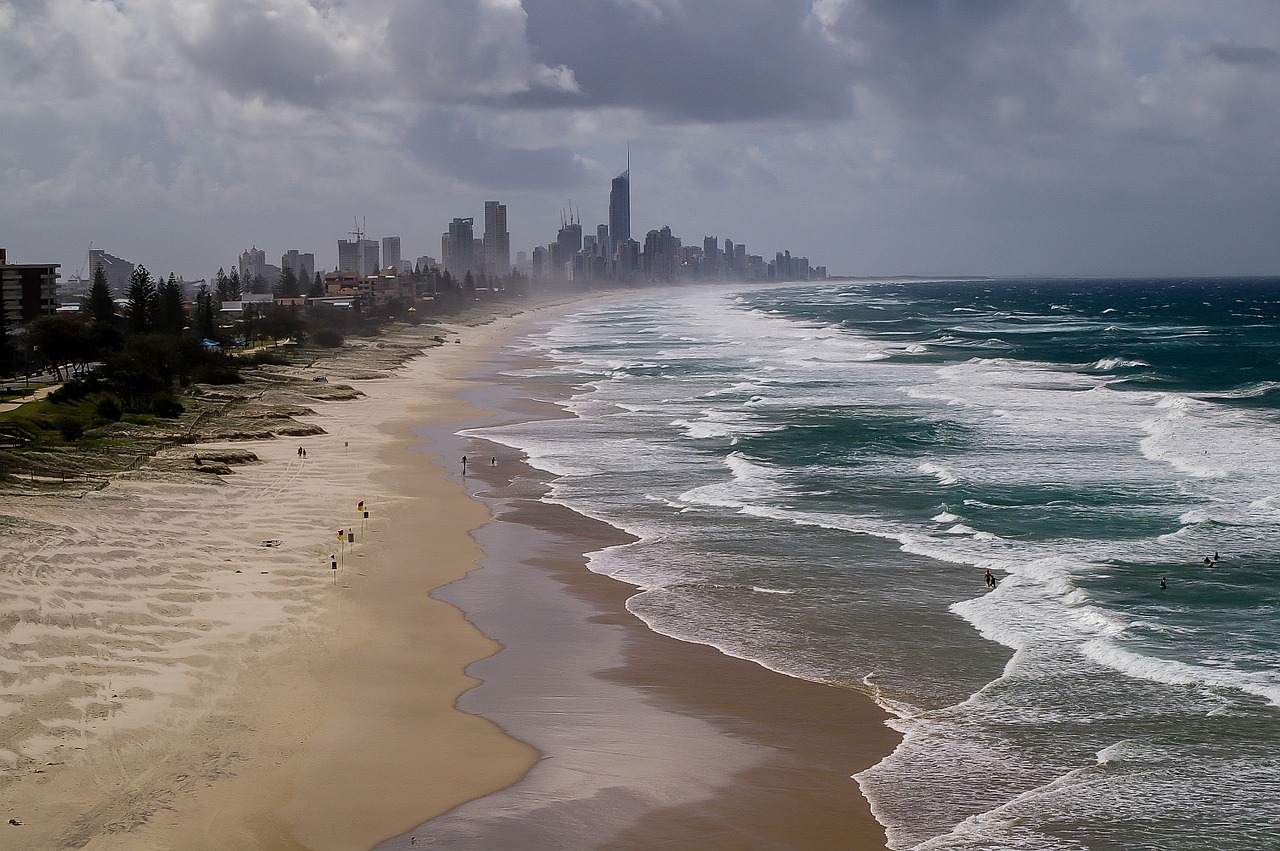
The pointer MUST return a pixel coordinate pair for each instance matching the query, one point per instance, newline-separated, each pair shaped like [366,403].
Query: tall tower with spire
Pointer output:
[620,208]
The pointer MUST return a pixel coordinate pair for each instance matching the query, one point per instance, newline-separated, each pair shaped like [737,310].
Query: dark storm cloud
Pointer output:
[1244,55]
[452,143]
[696,61]
[939,60]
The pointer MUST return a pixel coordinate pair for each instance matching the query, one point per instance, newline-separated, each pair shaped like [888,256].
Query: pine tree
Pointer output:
[99,303]
[170,315]
[143,303]
[287,286]
[204,312]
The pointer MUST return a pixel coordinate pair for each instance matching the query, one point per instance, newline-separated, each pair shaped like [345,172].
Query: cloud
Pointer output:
[691,61]
[883,134]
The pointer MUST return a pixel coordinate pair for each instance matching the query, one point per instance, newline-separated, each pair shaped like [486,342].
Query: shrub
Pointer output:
[108,408]
[169,409]
[70,428]
[328,338]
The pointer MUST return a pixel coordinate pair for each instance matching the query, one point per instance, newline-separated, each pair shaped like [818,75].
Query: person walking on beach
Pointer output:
[464,465]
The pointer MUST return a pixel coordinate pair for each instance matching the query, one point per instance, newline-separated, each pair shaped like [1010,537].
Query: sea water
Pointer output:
[819,476]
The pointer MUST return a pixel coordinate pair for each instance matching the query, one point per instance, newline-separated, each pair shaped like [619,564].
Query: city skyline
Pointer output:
[885,139]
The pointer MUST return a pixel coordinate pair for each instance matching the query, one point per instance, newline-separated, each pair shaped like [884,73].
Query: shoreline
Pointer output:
[720,751]
[286,706]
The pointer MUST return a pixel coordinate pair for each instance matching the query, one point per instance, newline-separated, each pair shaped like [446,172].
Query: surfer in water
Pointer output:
[1163,584]
[990,580]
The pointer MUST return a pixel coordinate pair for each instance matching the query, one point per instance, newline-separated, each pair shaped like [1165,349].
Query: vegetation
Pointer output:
[123,370]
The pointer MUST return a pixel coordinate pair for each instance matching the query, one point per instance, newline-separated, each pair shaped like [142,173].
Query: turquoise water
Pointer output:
[819,475]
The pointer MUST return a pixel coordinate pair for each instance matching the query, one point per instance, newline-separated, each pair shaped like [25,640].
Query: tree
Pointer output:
[235,288]
[99,303]
[317,287]
[143,305]
[205,313]
[228,286]
[60,343]
[170,315]
[287,286]
[281,322]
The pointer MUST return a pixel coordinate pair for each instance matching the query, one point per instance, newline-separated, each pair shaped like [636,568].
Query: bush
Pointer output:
[108,408]
[70,428]
[262,356]
[74,390]
[327,338]
[216,372]
[169,409]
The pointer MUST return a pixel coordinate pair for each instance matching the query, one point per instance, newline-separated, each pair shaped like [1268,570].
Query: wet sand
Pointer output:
[645,741]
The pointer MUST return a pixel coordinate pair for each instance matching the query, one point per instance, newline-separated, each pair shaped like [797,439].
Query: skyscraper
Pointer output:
[569,243]
[391,252]
[497,241]
[620,211]
[457,246]
[303,265]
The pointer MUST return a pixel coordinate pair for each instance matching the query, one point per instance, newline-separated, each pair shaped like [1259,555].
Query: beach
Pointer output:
[185,669]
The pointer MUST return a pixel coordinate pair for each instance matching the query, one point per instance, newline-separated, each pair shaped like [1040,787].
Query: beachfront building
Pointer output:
[117,271]
[497,240]
[27,291]
[661,258]
[458,248]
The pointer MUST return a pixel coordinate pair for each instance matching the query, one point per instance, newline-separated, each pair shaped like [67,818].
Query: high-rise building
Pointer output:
[661,254]
[253,266]
[117,271]
[539,261]
[348,258]
[620,210]
[367,250]
[711,256]
[391,252]
[302,265]
[457,247]
[359,256]
[497,241]
[27,292]
[569,241]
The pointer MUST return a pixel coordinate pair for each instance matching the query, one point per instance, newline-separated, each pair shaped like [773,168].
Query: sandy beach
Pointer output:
[182,667]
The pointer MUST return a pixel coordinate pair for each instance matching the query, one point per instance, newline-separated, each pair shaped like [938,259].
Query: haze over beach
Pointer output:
[925,138]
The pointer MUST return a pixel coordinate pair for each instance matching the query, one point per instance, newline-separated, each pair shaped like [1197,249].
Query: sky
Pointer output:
[875,137]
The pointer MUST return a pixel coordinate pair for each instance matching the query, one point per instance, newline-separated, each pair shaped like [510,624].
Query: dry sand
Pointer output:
[182,668]
[170,681]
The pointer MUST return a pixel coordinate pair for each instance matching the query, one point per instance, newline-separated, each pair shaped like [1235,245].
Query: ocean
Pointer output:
[819,476]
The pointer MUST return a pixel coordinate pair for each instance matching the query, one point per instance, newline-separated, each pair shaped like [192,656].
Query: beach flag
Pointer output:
[342,534]
[360,505]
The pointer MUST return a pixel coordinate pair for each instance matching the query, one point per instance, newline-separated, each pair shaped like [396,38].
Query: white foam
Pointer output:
[1173,672]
